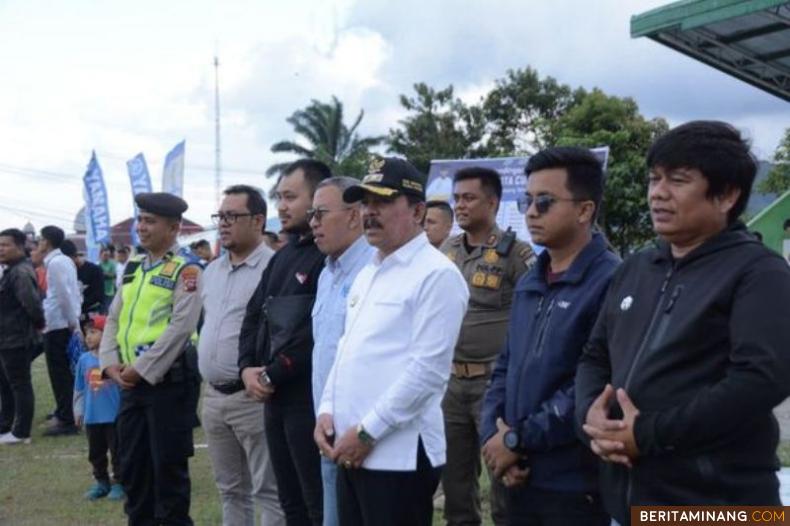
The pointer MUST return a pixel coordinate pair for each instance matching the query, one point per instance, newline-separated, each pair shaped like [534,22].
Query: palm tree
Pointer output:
[329,139]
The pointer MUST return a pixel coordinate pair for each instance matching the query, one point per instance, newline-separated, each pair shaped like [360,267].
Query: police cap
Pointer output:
[161,204]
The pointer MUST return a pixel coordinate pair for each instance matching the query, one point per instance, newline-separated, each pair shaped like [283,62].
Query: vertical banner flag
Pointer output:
[173,173]
[141,183]
[97,211]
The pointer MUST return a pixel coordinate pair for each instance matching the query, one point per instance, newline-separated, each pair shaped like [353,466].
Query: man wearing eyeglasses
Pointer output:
[491,261]
[232,420]
[527,422]
[337,228]
[276,343]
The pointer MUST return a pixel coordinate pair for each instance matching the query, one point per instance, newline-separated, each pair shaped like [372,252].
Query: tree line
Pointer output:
[521,114]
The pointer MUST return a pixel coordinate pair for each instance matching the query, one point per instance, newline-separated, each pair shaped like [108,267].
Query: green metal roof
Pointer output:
[747,39]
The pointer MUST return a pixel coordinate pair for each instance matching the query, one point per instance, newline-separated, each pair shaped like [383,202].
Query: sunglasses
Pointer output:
[542,202]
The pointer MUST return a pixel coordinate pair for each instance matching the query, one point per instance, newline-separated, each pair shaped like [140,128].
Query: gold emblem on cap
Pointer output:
[490,256]
[376,164]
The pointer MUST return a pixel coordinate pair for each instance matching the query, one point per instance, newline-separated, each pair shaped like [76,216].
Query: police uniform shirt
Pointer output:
[491,278]
[157,360]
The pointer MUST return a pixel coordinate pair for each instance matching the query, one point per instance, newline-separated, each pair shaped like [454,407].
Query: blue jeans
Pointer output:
[329,480]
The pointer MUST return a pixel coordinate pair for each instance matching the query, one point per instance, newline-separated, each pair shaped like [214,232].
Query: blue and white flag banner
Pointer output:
[511,170]
[141,183]
[97,209]
[173,173]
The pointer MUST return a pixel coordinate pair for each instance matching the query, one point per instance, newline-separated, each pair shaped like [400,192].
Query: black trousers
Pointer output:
[388,498]
[154,430]
[60,376]
[296,462]
[16,392]
[535,507]
[101,440]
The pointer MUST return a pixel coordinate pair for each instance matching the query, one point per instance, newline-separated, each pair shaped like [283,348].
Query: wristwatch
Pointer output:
[512,440]
[364,436]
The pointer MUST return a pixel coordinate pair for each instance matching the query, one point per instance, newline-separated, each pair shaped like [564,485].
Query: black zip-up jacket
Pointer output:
[21,312]
[277,328]
[702,346]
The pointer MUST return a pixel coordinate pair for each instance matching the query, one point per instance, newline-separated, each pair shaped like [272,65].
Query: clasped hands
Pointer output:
[349,451]
[502,461]
[125,376]
[612,440]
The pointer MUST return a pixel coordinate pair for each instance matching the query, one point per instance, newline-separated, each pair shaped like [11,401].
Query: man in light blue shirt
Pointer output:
[337,227]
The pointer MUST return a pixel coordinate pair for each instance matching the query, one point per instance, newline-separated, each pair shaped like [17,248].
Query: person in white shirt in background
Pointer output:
[380,417]
[62,314]
[232,420]
[121,258]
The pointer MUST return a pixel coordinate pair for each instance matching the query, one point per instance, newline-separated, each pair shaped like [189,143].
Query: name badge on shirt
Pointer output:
[163,282]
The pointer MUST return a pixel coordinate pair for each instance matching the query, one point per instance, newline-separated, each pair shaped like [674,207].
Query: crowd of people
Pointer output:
[351,366]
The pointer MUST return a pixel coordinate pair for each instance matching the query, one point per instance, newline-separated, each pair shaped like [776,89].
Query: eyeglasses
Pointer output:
[542,202]
[319,213]
[229,217]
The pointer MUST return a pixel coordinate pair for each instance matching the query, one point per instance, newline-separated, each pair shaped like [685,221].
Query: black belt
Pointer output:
[229,388]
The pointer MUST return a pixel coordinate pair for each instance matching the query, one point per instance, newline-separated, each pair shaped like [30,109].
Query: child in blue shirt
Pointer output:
[96,404]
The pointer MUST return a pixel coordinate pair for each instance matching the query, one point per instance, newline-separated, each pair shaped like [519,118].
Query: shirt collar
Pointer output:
[169,254]
[252,260]
[405,253]
[51,255]
[346,260]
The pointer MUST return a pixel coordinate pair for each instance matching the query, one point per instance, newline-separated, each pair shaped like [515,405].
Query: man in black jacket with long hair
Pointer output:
[690,354]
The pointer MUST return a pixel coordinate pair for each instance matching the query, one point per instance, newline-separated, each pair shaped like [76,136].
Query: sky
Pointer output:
[127,77]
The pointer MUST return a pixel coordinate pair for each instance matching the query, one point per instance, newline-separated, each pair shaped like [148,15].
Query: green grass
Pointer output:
[43,483]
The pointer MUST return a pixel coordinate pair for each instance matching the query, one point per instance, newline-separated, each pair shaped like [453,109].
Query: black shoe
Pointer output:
[60,430]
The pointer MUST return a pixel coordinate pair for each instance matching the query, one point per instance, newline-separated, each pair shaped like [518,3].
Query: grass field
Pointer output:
[43,483]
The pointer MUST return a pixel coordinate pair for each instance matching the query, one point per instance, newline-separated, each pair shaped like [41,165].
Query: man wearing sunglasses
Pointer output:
[528,428]
[276,343]
[491,261]
[232,420]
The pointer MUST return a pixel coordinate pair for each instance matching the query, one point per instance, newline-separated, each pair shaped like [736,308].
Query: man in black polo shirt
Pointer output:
[275,347]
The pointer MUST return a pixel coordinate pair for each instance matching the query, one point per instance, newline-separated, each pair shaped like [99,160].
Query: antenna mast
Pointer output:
[217,157]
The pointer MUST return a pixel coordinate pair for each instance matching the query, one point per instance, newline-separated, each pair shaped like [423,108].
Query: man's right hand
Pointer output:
[324,434]
[253,386]
[114,372]
[598,421]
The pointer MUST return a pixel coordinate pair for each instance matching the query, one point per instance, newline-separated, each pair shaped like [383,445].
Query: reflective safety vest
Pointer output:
[147,304]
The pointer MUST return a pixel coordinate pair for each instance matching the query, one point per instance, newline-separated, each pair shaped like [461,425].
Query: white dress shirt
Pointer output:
[404,314]
[63,300]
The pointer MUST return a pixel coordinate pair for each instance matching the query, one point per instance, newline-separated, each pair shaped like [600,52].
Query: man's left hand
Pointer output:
[350,451]
[130,375]
[624,435]
[497,457]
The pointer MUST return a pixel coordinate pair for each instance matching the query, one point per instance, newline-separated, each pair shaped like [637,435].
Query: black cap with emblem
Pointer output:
[161,204]
[388,177]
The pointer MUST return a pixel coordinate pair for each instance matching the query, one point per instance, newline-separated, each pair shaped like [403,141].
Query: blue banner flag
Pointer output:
[511,171]
[141,183]
[97,209]
[173,173]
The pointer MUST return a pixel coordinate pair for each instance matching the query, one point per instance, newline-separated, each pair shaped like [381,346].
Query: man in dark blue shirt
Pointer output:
[527,419]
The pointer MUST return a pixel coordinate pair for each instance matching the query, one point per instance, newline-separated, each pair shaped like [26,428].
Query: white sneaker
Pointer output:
[10,439]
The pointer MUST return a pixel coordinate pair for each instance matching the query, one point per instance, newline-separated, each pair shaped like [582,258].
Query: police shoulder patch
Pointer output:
[189,278]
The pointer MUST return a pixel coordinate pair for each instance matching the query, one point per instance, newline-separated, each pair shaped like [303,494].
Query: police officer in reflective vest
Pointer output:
[148,330]
[491,260]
